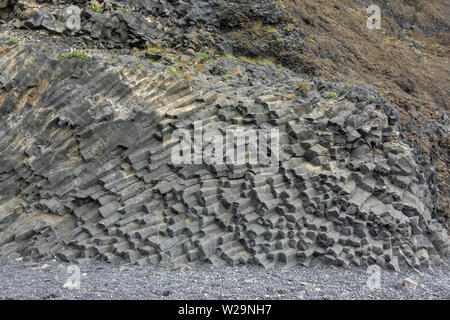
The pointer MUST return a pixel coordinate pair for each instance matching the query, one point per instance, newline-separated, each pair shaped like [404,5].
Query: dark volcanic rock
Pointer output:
[87,170]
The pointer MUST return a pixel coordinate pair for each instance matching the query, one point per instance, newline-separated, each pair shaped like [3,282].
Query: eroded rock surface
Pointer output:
[86,170]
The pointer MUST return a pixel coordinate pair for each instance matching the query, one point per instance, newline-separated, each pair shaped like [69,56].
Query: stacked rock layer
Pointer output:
[86,172]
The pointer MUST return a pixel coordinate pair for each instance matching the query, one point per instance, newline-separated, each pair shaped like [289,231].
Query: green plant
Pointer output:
[81,55]
[75,54]
[226,76]
[187,77]
[289,27]
[138,63]
[95,8]
[229,56]
[63,56]
[256,60]
[332,95]
[257,26]
[203,56]
[280,4]
[173,70]
[280,40]
[270,29]
[154,51]
[265,60]
[14,40]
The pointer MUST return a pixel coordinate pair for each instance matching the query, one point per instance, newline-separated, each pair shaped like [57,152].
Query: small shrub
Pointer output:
[63,56]
[332,95]
[81,55]
[75,54]
[154,51]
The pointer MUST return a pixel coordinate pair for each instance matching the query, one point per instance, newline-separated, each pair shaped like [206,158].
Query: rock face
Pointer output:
[86,171]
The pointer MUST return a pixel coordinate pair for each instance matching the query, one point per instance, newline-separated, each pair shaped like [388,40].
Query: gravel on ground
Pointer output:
[43,281]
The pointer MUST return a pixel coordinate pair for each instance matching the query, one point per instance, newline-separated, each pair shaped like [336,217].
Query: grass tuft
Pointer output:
[95,8]
[202,56]
[303,87]
[173,70]
[257,59]
[14,40]
[289,27]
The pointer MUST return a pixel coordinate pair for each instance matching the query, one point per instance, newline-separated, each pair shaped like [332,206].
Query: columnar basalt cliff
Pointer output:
[86,168]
